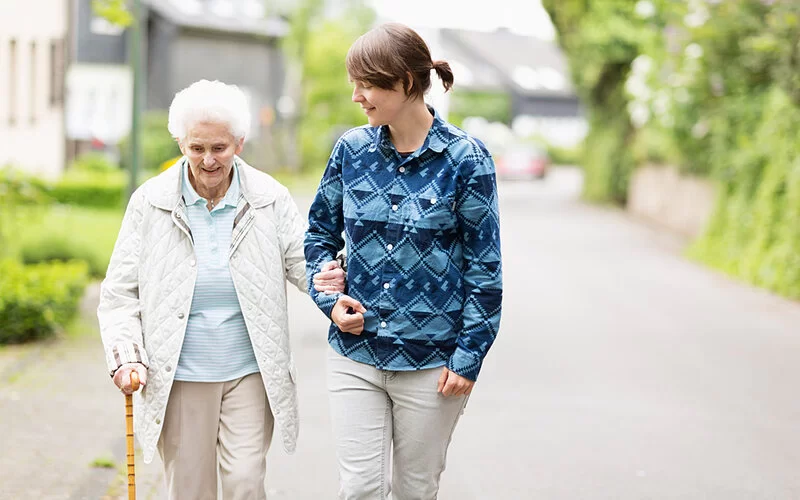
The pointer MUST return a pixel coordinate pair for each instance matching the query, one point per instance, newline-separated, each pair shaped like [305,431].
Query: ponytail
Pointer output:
[445,73]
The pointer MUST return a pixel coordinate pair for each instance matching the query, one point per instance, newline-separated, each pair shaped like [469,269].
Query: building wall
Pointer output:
[32,64]
[248,62]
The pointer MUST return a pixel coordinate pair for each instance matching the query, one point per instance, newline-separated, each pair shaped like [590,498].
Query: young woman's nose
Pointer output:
[357,97]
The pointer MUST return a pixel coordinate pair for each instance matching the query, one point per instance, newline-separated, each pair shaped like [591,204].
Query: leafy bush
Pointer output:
[90,189]
[157,145]
[93,162]
[712,88]
[64,248]
[494,106]
[561,155]
[755,230]
[36,301]
[62,232]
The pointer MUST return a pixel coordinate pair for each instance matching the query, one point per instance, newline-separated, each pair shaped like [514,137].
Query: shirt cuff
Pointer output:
[125,352]
[465,363]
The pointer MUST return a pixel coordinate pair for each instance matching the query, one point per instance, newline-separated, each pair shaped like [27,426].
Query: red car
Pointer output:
[523,161]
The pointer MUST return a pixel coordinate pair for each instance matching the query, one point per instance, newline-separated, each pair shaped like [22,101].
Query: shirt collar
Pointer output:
[436,140]
[191,197]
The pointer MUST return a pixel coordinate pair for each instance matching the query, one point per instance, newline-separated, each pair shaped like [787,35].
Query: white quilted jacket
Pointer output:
[147,293]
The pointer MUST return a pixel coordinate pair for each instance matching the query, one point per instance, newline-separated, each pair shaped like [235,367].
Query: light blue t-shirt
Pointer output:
[216,347]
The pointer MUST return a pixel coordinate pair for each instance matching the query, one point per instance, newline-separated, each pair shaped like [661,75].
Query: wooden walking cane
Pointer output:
[129,435]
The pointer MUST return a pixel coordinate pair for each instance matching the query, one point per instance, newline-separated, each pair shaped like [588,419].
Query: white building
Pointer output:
[32,65]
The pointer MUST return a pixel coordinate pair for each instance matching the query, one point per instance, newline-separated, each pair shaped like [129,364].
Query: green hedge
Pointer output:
[64,248]
[37,301]
[99,190]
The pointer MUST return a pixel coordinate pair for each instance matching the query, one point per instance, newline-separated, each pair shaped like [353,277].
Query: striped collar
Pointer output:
[191,197]
[165,190]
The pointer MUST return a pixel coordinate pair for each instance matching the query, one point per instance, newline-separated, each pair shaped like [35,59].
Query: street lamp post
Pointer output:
[136,70]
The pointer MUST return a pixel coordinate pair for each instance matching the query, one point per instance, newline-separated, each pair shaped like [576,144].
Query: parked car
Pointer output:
[523,161]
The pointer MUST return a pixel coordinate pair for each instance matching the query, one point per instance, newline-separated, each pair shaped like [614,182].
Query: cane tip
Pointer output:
[134,381]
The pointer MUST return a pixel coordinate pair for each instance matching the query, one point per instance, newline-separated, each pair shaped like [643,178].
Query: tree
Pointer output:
[316,48]
[115,11]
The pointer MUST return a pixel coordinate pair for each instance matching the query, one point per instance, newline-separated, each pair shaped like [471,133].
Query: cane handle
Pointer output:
[134,381]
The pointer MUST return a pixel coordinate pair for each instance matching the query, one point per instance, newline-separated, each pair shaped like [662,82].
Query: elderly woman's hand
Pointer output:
[330,279]
[122,377]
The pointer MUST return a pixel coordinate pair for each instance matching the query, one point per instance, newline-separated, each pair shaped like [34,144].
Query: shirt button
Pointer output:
[180,315]
[383,324]
[193,262]
[402,169]
[158,421]
[386,286]
[394,208]
[389,246]
[168,368]
[433,201]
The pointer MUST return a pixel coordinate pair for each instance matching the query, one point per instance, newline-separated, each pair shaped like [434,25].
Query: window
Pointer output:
[56,72]
[12,82]
[33,87]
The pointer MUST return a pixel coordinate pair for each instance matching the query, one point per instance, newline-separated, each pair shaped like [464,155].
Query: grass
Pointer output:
[305,182]
[103,463]
[89,232]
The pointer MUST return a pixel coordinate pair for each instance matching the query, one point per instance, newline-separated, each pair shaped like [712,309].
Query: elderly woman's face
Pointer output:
[210,148]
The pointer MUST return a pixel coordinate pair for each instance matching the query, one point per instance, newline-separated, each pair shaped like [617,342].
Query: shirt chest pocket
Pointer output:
[432,212]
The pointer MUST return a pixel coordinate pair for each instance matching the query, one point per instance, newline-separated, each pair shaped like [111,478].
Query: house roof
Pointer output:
[503,59]
[231,16]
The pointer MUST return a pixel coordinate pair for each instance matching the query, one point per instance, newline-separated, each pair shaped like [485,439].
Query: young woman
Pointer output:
[416,199]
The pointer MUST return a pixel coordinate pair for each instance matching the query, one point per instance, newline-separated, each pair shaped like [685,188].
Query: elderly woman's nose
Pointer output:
[208,159]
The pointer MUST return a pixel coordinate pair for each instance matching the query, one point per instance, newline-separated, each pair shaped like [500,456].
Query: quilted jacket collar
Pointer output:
[164,190]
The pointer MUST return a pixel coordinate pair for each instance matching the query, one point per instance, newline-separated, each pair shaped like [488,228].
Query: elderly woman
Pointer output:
[195,302]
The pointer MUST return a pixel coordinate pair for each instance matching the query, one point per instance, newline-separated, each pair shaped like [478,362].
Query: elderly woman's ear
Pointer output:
[331,279]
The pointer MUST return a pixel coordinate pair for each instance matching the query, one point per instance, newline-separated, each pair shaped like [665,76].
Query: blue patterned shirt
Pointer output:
[423,248]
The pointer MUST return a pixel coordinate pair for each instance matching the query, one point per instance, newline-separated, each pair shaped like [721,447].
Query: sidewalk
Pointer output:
[59,414]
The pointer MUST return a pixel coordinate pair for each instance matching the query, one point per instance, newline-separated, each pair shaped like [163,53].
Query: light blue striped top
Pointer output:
[216,347]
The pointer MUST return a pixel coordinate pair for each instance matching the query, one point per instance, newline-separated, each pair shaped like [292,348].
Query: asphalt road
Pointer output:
[622,371]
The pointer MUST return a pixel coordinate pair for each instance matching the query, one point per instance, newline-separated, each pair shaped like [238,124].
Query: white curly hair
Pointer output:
[209,101]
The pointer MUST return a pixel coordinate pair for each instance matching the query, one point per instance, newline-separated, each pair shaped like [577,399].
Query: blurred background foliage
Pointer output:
[711,87]
[58,233]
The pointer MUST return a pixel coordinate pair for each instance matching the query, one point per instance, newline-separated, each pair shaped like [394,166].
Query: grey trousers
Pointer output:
[389,421]
[221,427]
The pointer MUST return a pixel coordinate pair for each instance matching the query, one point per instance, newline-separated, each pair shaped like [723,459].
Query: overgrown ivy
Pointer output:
[712,88]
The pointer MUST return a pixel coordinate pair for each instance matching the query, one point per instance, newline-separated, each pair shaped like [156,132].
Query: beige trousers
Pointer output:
[216,432]
[392,430]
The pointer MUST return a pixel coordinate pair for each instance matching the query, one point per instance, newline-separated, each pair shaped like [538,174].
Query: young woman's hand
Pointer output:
[330,279]
[348,314]
[453,384]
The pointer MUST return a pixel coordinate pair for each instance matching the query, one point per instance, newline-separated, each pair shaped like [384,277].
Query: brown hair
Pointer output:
[390,52]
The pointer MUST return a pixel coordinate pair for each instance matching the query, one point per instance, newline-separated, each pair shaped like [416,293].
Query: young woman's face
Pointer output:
[381,106]
[210,148]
